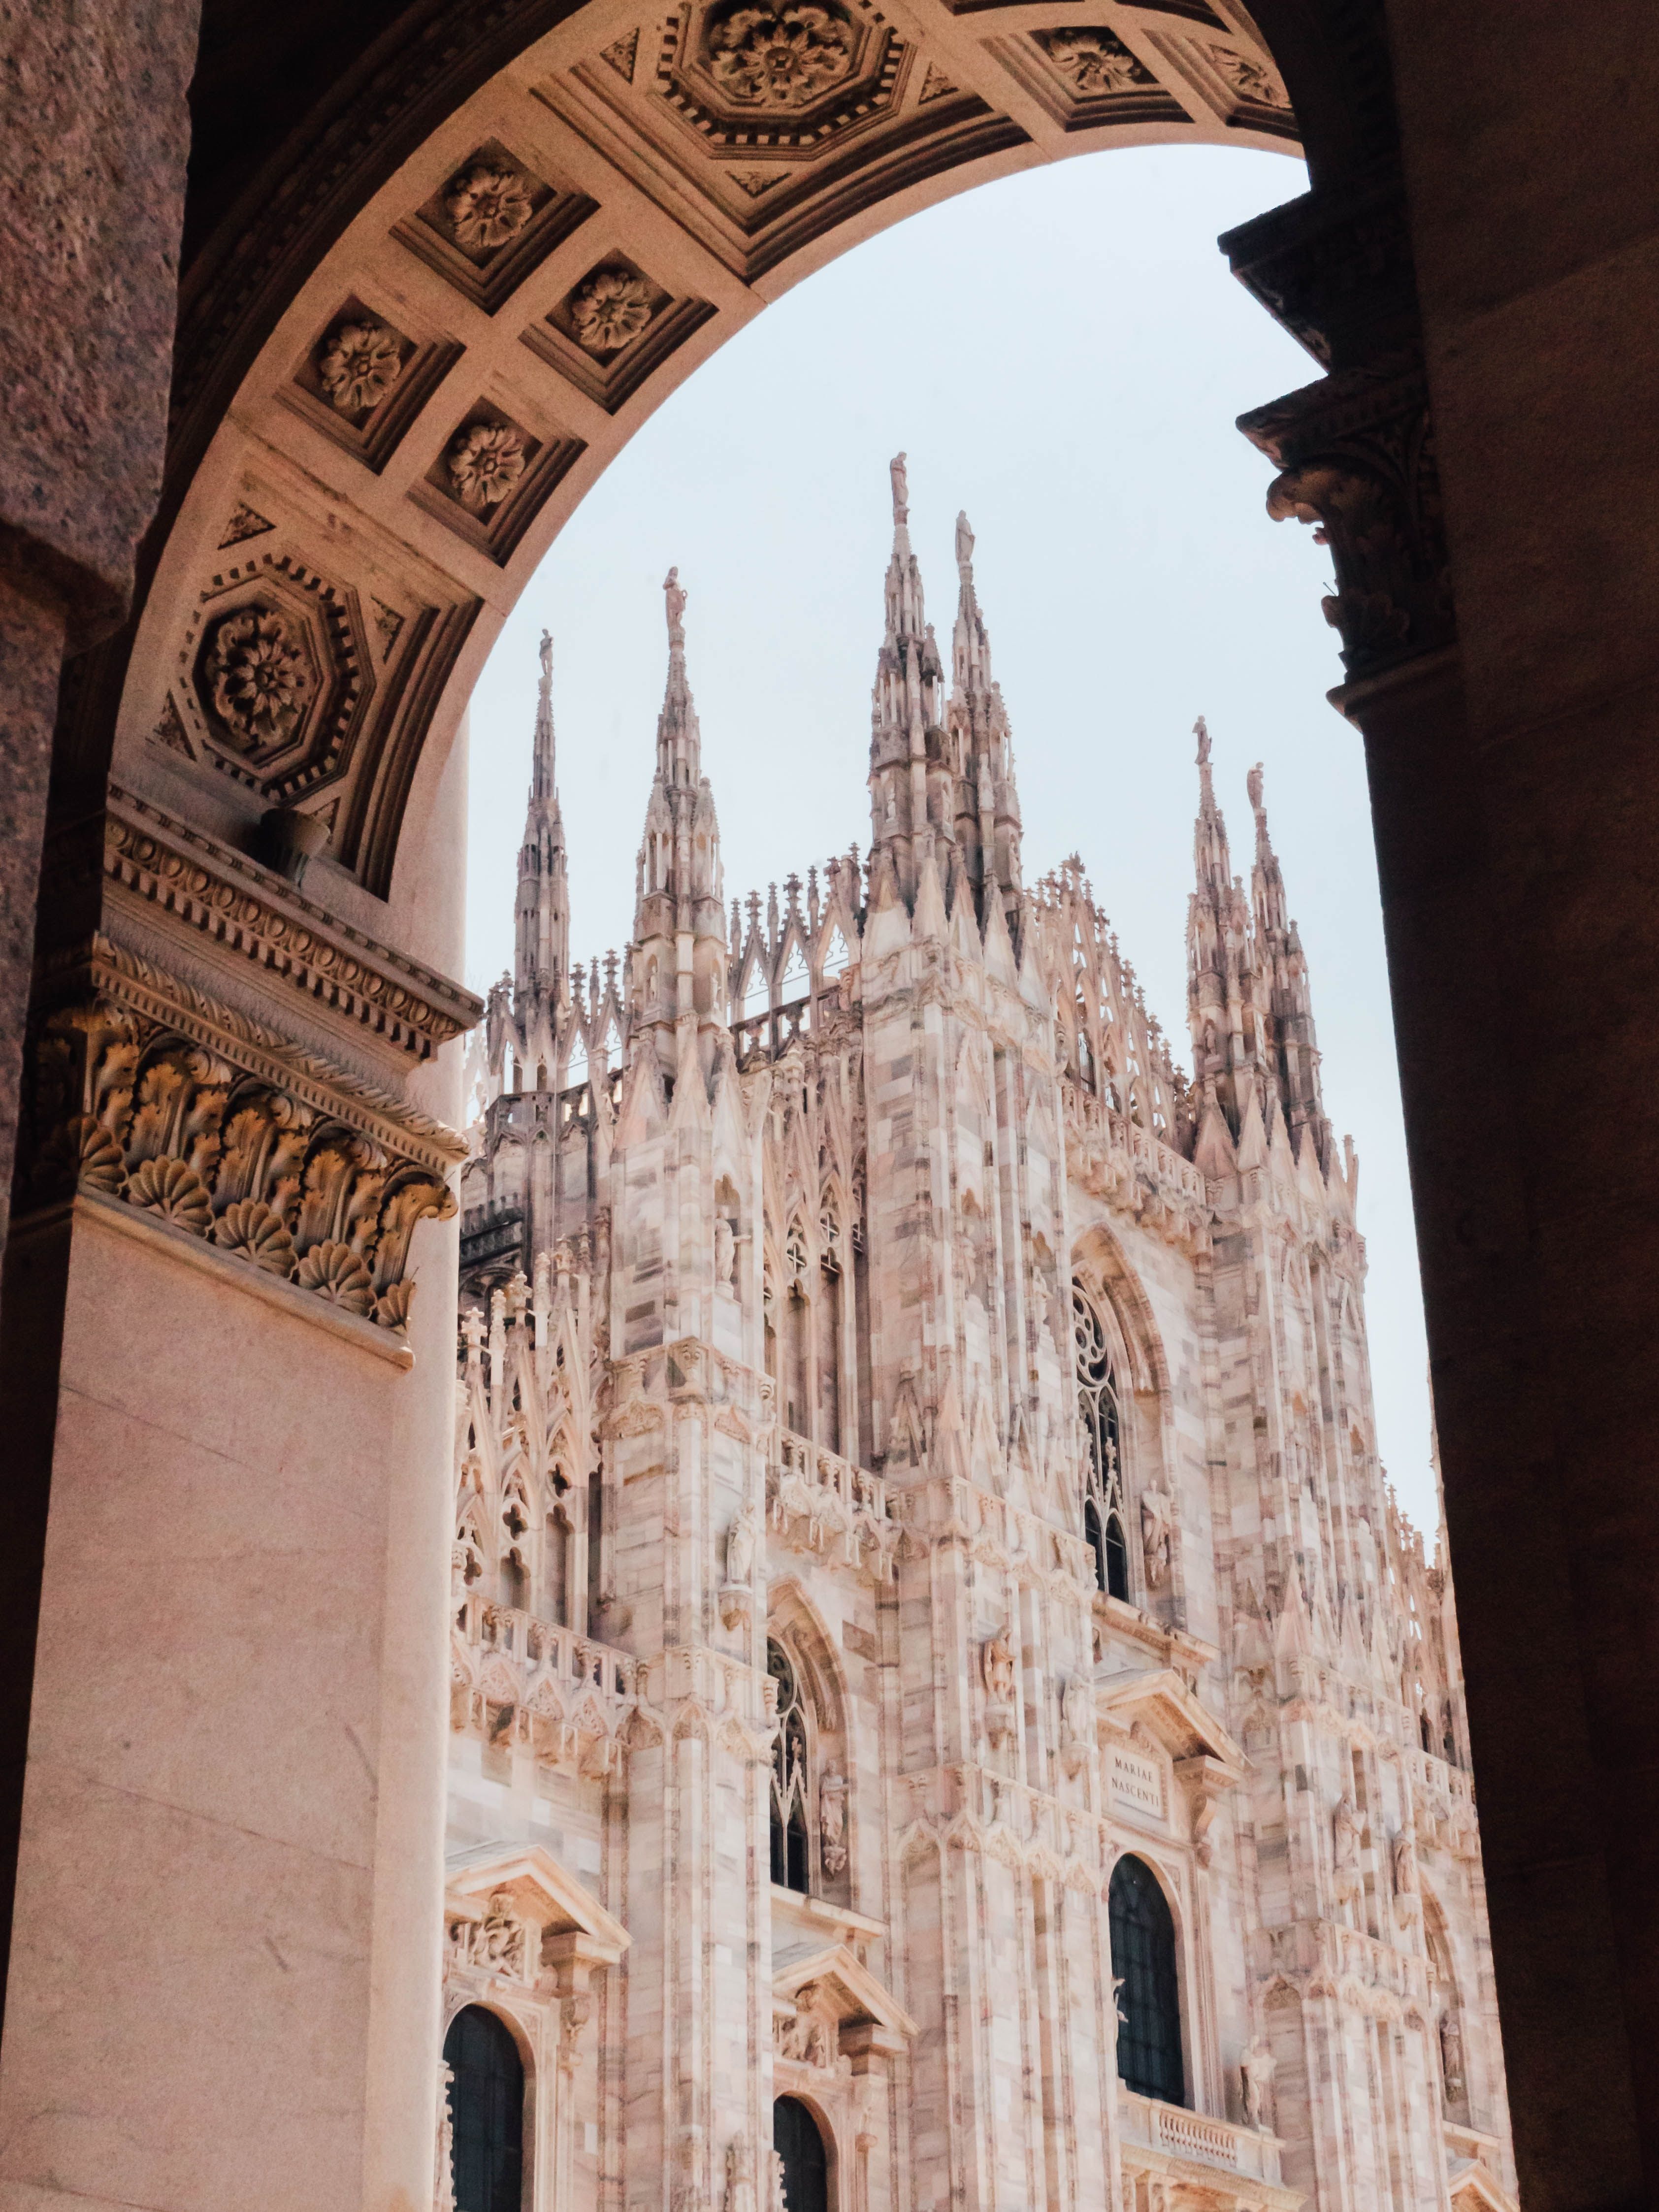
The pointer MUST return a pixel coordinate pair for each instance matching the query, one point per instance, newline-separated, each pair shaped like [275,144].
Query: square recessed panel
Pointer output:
[612,329]
[491,221]
[491,478]
[1241,85]
[361,381]
[1086,77]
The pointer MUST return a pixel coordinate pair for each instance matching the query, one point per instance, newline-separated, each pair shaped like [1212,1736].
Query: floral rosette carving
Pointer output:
[359,366]
[488,208]
[783,58]
[610,309]
[1253,79]
[1095,64]
[132,1112]
[258,676]
[485,463]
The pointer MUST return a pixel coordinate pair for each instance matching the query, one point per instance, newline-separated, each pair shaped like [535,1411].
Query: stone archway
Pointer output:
[324,145]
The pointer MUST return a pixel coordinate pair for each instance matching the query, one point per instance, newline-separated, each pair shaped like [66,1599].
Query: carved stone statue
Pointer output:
[901,488]
[1157,1510]
[1344,1844]
[1255,2075]
[1405,1862]
[1452,2056]
[741,1539]
[1201,731]
[965,540]
[499,1940]
[832,1821]
[1077,1710]
[776,2201]
[740,2175]
[999,1663]
[726,1249]
[809,2037]
[674,595]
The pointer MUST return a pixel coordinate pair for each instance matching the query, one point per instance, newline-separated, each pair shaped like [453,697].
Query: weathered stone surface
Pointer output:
[92,139]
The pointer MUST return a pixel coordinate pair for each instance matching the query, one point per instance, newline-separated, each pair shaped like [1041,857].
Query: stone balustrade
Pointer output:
[814,1496]
[544,1648]
[1148,2124]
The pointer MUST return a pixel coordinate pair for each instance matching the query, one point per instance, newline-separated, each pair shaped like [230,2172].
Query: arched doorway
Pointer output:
[486,2106]
[799,2142]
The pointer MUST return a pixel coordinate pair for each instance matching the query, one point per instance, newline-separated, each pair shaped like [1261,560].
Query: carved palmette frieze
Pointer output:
[148,1094]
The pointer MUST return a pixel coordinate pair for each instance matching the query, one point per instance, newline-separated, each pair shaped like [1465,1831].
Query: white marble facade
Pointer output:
[916,1455]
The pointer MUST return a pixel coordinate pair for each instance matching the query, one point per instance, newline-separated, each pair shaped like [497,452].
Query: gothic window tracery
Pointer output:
[1104,1521]
[790,1775]
[1149,2059]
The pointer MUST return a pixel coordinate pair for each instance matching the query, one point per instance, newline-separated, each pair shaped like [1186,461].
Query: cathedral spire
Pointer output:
[679,911]
[542,917]
[986,809]
[1227,1036]
[1285,987]
[905,706]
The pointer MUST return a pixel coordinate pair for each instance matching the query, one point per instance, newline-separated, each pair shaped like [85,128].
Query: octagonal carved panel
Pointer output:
[278,677]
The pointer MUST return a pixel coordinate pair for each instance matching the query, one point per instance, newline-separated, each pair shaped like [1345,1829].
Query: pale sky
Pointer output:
[1063,355]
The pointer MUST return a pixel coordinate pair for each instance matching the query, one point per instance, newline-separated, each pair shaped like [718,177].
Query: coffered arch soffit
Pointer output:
[405,357]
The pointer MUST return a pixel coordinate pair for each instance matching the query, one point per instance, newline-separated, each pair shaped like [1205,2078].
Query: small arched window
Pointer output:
[1148,1993]
[799,2142]
[1103,1480]
[486,2106]
[789,1779]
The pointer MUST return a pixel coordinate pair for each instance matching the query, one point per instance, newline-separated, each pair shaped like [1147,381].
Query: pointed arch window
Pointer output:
[757,993]
[486,2106]
[1148,1989]
[836,959]
[1103,1518]
[797,982]
[789,1775]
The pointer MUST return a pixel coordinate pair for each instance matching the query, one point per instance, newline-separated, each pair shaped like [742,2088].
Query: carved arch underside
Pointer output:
[412,341]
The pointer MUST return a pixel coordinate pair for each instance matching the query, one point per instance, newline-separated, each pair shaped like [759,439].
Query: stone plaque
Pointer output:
[1136,1779]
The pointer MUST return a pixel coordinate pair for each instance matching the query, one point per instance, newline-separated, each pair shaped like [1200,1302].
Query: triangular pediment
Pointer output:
[1161,1702]
[542,1893]
[846,1986]
[1471,2188]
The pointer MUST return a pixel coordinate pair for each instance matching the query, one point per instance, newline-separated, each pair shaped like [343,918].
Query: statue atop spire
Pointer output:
[964,549]
[897,469]
[674,596]
[542,925]
[1201,731]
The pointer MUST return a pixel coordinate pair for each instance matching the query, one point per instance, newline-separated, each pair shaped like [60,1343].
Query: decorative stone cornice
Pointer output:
[149,1093]
[221,894]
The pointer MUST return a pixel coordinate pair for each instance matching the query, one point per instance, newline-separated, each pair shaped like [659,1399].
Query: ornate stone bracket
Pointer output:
[1356,458]
[1355,453]
[147,1092]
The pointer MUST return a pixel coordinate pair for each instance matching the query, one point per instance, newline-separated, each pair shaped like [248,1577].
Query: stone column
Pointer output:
[94,136]
[1511,761]
[229,1349]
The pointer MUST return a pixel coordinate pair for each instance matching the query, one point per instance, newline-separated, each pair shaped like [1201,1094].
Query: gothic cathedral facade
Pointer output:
[945,1713]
